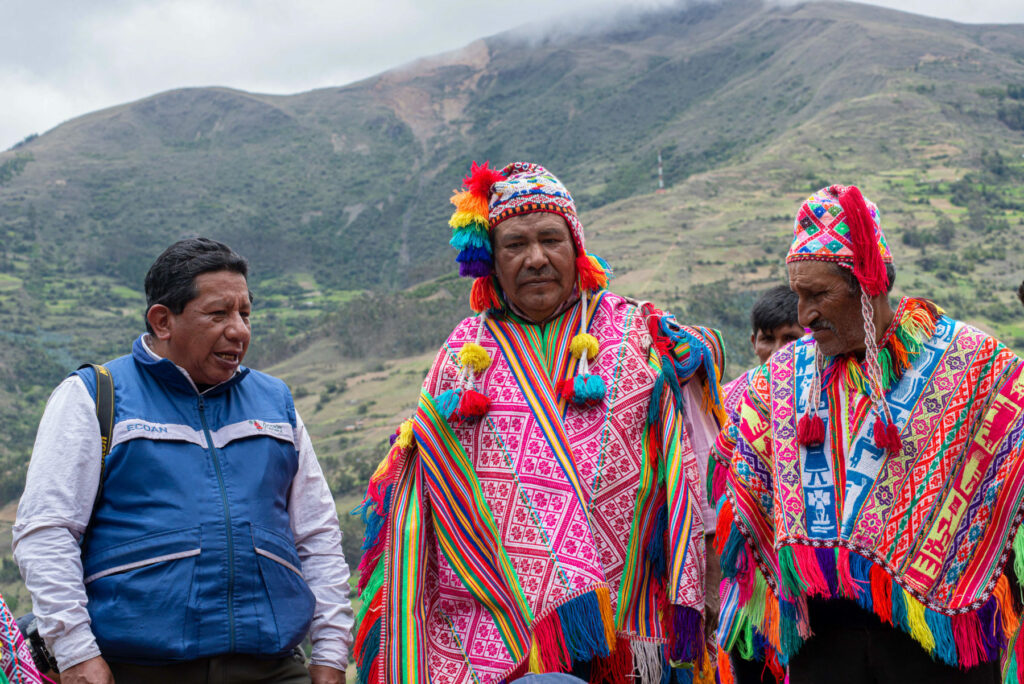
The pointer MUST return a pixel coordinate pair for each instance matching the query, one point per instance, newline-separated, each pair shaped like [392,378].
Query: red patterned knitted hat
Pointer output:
[838,224]
[490,197]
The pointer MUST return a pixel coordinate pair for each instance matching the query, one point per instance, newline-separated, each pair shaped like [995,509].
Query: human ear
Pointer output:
[161,321]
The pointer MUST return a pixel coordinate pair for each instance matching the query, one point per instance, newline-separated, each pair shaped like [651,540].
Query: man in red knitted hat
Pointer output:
[541,512]
[874,466]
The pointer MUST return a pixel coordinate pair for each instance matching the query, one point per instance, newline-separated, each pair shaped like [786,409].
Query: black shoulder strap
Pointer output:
[104,410]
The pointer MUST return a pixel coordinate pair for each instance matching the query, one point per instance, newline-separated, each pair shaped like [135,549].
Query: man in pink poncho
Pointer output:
[541,511]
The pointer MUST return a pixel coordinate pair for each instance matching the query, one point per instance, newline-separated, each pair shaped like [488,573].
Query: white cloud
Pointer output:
[63,58]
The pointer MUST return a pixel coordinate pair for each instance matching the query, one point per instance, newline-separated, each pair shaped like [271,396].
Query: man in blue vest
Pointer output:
[205,546]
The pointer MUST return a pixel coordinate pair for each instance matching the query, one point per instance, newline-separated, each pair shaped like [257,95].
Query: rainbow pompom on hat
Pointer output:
[490,196]
[838,224]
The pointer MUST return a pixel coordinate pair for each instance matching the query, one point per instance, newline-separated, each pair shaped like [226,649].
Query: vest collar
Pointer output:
[172,375]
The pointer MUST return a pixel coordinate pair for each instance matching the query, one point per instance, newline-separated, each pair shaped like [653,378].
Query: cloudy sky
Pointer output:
[63,58]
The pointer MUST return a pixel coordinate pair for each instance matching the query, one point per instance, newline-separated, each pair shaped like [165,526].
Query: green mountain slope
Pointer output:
[339,196]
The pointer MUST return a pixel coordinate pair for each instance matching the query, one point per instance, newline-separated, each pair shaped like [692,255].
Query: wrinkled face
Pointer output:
[827,307]
[767,342]
[535,262]
[210,336]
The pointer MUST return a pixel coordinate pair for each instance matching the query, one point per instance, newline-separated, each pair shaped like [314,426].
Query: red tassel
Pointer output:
[847,584]
[881,593]
[774,665]
[591,275]
[892,434]
[807,565]
[481,178]
[745,575]
[564,388]
[616,668]
[970,643]
[881,434]
[810,430]
[473,404]
[550,640]
[483,296]
[868,266]
[369,628]
[718,482]
[725,520]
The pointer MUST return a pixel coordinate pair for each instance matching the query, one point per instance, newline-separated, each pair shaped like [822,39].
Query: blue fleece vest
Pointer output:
[190,553]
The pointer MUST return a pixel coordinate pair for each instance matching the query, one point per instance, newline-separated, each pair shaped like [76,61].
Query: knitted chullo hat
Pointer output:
[839,225]
[489,197]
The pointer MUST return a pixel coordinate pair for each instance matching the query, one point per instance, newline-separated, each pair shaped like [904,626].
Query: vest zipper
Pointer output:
[227,524]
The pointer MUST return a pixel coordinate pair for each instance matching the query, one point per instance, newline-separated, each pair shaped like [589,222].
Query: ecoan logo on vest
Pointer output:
[145,427]
[268,427]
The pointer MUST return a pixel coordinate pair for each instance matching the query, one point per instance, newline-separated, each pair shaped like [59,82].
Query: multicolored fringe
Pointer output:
[593,272]
[484,295]
[684,351]
[1013,670]
[768,625]
[374,512]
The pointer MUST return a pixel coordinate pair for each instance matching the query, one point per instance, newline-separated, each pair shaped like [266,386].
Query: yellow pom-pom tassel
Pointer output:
[405,436]
[472,355]
[461,219]
[587,342]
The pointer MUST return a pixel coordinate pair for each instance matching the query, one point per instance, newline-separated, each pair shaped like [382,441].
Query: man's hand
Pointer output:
[91,671]
[324,674]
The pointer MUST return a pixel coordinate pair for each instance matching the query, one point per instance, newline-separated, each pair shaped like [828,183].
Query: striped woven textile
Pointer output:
[920,537]
[545,533]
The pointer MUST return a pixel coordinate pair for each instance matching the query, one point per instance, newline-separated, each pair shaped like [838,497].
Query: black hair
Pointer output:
[1020,292]
[171,279]
[851,280]
[773,309]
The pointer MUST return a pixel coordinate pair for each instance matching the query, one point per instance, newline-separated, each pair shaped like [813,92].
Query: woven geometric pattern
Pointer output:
[820,231]
[558,545]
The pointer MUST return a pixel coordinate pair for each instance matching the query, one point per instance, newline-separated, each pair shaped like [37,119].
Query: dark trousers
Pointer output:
[852,646]
[225,669]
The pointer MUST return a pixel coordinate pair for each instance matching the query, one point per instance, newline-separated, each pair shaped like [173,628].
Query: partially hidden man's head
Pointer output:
[774,322]
[518,235]
[197,308]
[838,251]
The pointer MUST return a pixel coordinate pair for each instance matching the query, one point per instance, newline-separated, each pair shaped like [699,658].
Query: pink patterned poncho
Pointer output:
[546,534]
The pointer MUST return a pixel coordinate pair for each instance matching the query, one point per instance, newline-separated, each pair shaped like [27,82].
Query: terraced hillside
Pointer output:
[338,196]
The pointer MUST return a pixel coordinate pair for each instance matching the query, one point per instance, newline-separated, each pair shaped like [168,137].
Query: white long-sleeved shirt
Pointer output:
[63,477]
